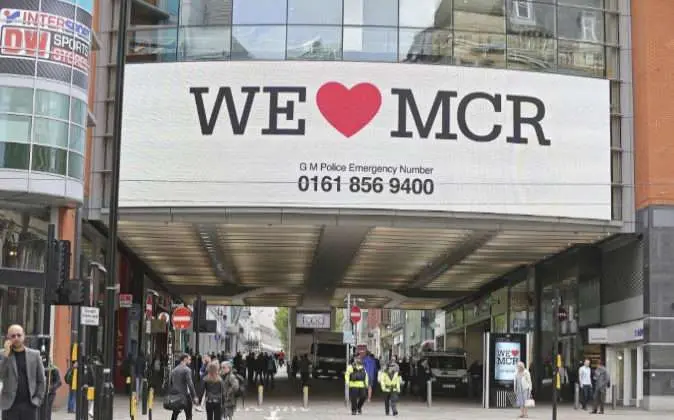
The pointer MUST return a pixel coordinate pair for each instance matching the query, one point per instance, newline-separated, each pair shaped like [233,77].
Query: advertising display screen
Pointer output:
[507,355]
[365,135]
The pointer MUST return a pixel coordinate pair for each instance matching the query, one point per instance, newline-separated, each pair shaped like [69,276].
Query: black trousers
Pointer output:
[357,397]
[599,400]
[213,411]
[20,411]
[391,403]
[187,410]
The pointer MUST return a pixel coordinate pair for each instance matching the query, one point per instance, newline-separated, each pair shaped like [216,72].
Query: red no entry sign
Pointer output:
[182,318]
[355,314]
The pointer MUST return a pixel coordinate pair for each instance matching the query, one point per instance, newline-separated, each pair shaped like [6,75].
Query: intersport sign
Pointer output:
[365,135]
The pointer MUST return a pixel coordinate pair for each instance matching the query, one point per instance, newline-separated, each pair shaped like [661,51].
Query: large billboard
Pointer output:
[365,135]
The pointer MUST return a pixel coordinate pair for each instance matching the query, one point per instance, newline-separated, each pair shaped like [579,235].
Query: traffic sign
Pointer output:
[148,307]
[182,318]
[355,314]
[89,316]
[125,300]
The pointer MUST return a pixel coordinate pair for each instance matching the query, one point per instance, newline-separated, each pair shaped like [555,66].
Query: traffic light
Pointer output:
[58,270]
[199,315]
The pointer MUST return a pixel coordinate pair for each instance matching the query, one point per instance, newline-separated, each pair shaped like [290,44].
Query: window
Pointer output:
[52,104]
[580,24]
[314,43]
[531,53]
[589,26]
[154,45]
[259,12]
[14,155]
[428,46]
[371,12]
[78,112]
[258,42]
[206,12]
[205,43]
[15,128]
[75,165]
[479,49]
[49,159]
[370,44]
[522,9]
[50,132]
[19,100]
[77,138]
[426,13]
[312,12]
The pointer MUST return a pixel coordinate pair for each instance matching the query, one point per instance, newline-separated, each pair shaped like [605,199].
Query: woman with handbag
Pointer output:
[522,387]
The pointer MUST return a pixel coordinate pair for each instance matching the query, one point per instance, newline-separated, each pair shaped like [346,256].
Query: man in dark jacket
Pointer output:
[181,384]
[53,375]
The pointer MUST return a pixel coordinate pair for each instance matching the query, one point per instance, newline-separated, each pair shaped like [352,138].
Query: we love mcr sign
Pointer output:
[365,135]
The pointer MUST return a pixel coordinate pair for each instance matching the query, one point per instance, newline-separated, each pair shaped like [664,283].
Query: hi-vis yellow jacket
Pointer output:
[389,383]
[355,384]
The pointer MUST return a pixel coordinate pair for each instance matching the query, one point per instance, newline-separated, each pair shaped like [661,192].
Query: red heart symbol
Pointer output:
[515,353]
[348,110]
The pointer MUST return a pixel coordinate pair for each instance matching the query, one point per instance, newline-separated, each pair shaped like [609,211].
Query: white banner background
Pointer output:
[166,161]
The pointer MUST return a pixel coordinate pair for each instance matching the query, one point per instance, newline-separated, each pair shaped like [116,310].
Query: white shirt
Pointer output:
[585,376]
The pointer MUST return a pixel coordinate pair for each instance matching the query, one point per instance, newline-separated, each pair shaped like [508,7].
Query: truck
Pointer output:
[328,354]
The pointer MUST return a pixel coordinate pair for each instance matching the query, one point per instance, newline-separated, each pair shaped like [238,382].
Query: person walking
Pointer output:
[72,394]
[22,376]
[602,381]
[54,382]
[522,387]
[182,386]
[213,391]
[585,383]
[390,382]
[231,390]
[356,378]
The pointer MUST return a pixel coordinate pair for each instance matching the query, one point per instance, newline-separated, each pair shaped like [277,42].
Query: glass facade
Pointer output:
[43,131]
[566,36]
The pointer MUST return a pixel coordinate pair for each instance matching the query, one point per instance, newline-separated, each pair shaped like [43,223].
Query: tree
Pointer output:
[281,325]
[339,319]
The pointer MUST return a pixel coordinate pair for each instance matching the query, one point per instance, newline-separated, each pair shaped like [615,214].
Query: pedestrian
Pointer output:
[585,383]
[181,393]
[390,382]
[72,394]
[22,376]
[213,391]
[602,382]
[54,382]
[522,387]
[231,390]
[357,380]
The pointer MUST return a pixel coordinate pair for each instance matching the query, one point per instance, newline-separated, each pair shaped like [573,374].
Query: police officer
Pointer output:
[390,386]
[356,378]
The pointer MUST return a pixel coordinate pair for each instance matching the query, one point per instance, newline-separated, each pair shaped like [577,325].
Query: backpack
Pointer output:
[69,376]
[357,375]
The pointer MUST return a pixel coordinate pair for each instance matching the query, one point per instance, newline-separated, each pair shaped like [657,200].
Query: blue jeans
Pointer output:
[72,395]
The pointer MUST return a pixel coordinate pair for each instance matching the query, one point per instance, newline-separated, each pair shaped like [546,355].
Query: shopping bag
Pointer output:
[530,403]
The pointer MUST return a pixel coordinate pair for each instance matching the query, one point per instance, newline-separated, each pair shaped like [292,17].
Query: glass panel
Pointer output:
[312,12]
[583,3]
[580,24]
[370,44]
[76,166]
[205,43]
[14,155]
[258,43]
[426,13]
[156,45]
[206,12]
[78,112]
[480,16]
[48,159]
[14,128]
[425,46]
[78,137]
[257,12]
[371,12]
[18,100]
[50,132]
[532,53]
[480,50]
[532,19]
[52,104]
[314,42]
[581,59]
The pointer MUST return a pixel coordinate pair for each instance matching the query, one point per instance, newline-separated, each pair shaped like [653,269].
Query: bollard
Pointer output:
[576,396]
[429,393]
[150,403]
[143,397]
[614,397]
[133,409]
[305,396]
[83,403]
[91,395]
[260,395]
[346,393]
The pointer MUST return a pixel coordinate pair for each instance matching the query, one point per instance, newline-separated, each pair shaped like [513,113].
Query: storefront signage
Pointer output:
[313,320]
[364,135]
[616,334]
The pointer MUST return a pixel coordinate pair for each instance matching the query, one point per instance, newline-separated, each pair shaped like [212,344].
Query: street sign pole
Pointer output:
[348,347]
